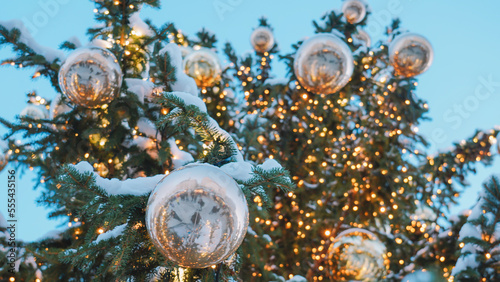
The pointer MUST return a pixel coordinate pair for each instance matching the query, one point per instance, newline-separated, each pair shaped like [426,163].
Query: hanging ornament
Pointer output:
[356,254]
[323,64]
[410,54]
[34,112]
[262,39]
[197,216]
[58,107]
[90,77]
[203,65]
[354,11]
[363,36]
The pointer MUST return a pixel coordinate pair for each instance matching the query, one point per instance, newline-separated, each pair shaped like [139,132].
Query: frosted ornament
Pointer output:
[323,64]
[90,77]
[354,11]
[410,54]
[262,39]
[197,216]
[357,255]
[203,66]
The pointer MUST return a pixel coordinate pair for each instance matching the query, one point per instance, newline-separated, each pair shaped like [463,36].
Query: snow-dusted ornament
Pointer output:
[204,67]
[262,39]
[34,112]
[357,255]
[410,54]
[90,77]
[197,216]
[354,11]
[323,64]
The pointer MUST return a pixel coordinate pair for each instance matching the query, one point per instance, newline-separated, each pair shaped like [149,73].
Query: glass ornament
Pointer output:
[204,67]
[262,39]
[357,255]
[323,64]
[410,54]
[197,216]
[90,77]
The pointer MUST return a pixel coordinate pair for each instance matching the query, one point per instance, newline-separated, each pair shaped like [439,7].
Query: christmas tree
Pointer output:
[167,165]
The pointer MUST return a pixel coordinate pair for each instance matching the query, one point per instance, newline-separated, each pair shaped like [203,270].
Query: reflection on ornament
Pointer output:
[410,54]
[203,65]
[357,254]
[262,39]
[90,77]
[363,36]
[354,11]
[323,64]
[197,216]
[34,112]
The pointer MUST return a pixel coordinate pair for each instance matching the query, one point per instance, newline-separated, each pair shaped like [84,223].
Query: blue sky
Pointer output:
[462,86]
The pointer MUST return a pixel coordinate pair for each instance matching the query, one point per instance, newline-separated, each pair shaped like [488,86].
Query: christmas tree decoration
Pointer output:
[204,66]
[323,64]
[363,36]
[197,216]
[34,112]
[262,39]
[357,254]
[410,54]
[90,77]
[354,11]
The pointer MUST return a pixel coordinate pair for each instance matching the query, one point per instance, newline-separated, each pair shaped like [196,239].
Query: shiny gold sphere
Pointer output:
[197,216]
[354,11]
[357,255]
[203,65]
[323,64]
[410,54]
[90,77]
[262,39]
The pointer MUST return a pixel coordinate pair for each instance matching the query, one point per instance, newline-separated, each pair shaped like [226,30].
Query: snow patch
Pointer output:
[135,187]
[117,231]
[50,54]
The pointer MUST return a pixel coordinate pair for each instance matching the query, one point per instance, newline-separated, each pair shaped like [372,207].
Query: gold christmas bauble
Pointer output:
[354,11]
[90,77]
[262,39]
[203,65]
[197,216]
[410,54]
[323,64]
[357,255]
